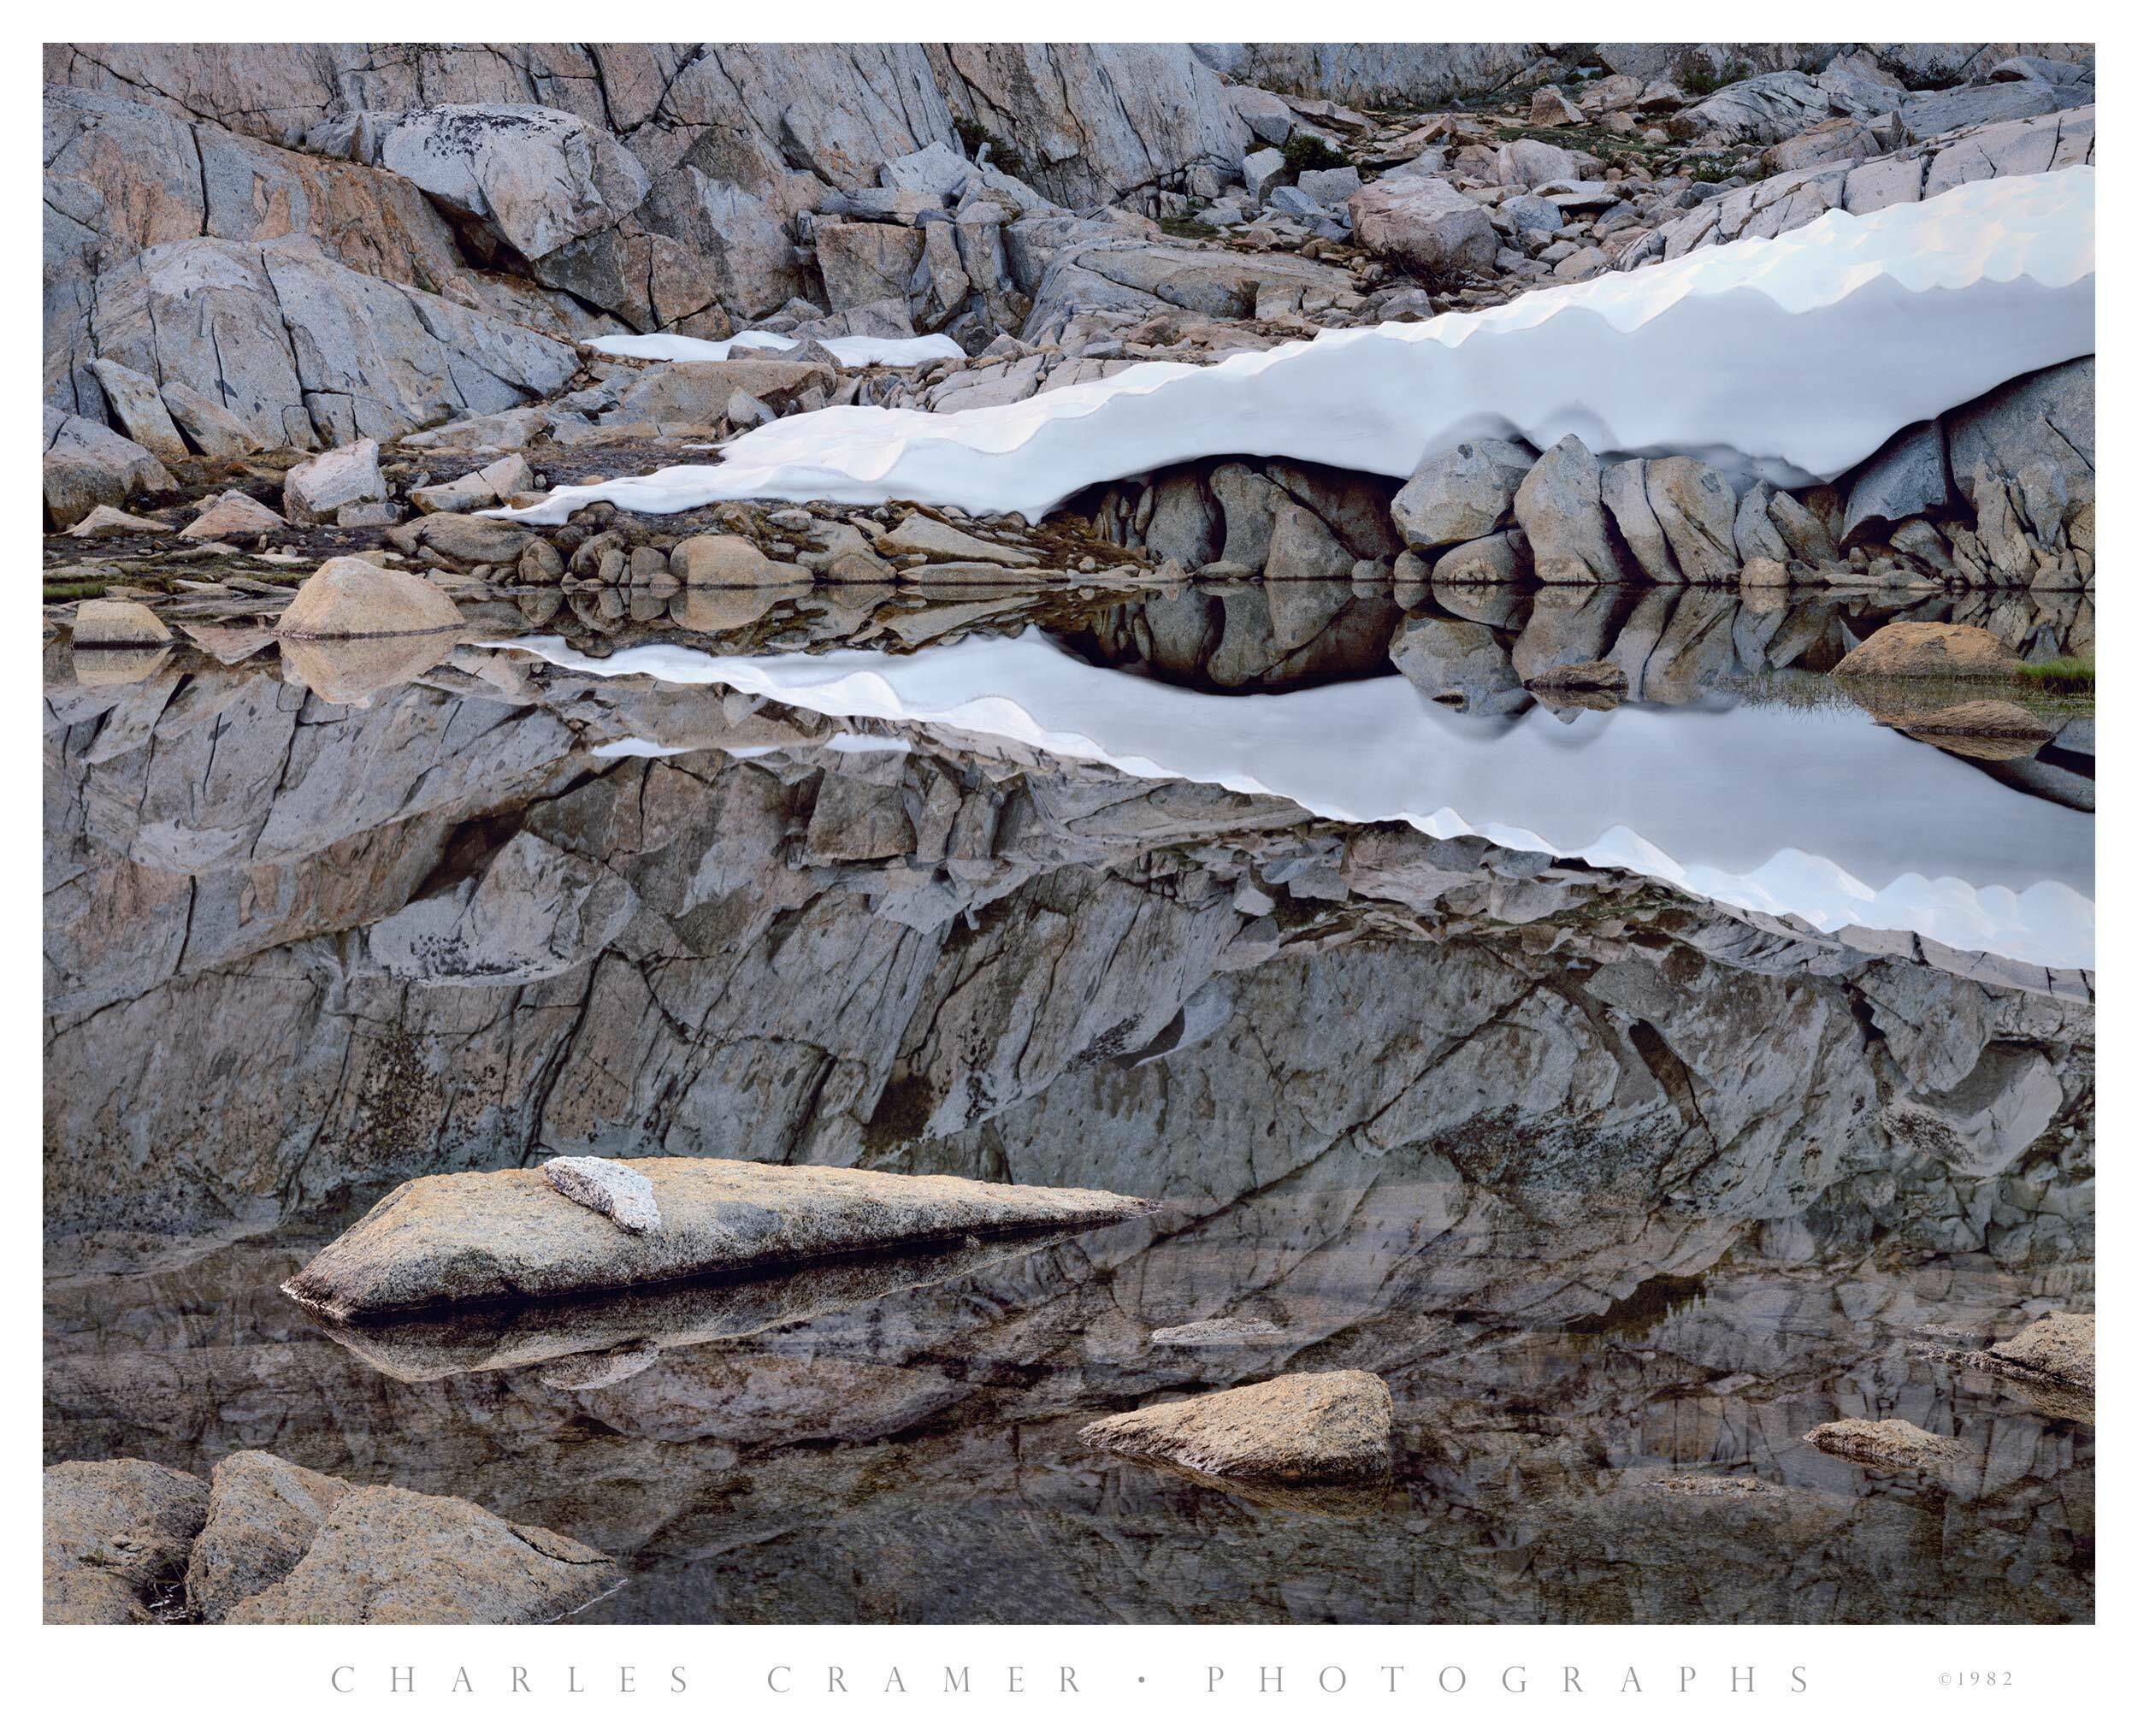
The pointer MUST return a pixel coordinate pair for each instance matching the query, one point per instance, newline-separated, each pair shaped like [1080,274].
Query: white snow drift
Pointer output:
[1792,358]
[854,353]
[1824,816]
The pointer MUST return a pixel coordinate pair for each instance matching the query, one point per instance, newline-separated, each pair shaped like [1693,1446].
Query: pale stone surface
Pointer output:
[471,1238]
[1927,651]
[1892,1441]
[138,408]
[117,621]
[110,521]
[538,178]
[264,1514]
[233,513]
[352,599]
[1463,493]
[390,1555]
[1697,507]
[115,1529]
[316,490]
[1297,1428]
[1424,224]
[2058,1348]
[1559,506]
[730,560]
[86,465]
[615,1191]
[218,434]
[919,533]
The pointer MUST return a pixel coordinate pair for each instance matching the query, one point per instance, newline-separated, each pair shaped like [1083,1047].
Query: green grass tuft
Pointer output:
[2059,675]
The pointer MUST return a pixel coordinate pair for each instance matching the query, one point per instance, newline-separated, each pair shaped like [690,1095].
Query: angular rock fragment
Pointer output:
[1463,493]
[110,521]
[115,1529]
[140,410]
[314,492]
[87,465]
[601,1184]
[117,621]
[441,1240]
[1297,1428]
[1560,508]
[1426,225]
[234,513]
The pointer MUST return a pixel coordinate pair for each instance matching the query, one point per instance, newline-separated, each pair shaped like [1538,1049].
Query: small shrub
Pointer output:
[1303,151]
[1001,154]
[1697,76]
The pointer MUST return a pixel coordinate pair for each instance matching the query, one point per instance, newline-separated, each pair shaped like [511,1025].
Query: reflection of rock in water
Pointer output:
[600,1334]
[316,948]
[348,671]
[1620,1193]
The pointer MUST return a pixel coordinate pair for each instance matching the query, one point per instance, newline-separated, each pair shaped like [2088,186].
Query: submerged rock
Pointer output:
[1226,1329]
[443,1240]
[2057,1348]
[1890,1442]
[1297,1428]
[615,1191]
[114,1529]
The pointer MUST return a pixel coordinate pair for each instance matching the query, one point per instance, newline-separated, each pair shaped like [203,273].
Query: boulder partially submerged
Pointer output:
[2057,1350]
[583,1331]
[1890,1441]
[269,1541]
[351,598]
[1929,651]
[451,1240]
[1295,1429]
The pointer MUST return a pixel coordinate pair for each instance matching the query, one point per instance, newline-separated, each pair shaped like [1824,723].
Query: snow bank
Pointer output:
[854,353]
[1792,358]
[1822,815]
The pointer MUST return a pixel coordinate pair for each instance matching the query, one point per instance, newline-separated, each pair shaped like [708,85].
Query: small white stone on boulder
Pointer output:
[615,1189]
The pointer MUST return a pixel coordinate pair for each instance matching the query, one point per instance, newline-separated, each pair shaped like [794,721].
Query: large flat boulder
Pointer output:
[1297,1428]
[1929,651]
[451,1239]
